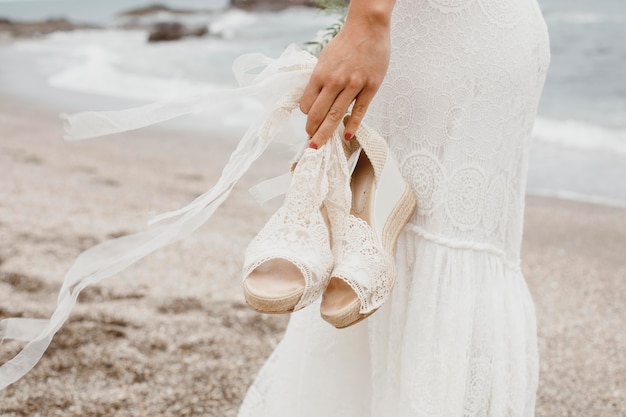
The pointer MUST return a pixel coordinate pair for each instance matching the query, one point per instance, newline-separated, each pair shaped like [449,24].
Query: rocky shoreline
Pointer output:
[270,6]
[166,30]
[17,29]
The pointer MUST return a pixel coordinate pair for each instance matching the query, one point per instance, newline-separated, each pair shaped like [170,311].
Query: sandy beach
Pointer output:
[172,335]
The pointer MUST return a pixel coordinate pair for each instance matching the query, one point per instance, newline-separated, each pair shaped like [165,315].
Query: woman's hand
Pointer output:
[350,69]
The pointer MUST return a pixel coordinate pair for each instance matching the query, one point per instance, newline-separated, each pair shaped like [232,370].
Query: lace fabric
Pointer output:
[457,337]
[458,105]
[362,263]
[297,232]
[460,344]
[359,257]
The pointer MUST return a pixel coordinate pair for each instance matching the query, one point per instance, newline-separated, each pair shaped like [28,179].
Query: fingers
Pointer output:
[358,113]
[325,103]
[320,98]
[311,92]
[327,113]
[345,73]
[320,132]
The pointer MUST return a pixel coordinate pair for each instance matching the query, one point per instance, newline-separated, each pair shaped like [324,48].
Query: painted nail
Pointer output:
[347,136]
[313,145]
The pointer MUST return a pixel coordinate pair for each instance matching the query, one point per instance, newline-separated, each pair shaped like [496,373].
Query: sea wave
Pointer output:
[579,197]
[231,20]
[113,63]
[99,75]
[584,18]
[23,1]
[581,135]
[121,64]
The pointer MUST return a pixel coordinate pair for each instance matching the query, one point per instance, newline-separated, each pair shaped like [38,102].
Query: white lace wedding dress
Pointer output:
[458,336]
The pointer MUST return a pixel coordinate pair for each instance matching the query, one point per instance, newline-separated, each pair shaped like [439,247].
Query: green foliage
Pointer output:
[333,6]
[324,36]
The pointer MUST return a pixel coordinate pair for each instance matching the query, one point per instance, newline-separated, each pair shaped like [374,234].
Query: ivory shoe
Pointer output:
[287,265]
[367,212]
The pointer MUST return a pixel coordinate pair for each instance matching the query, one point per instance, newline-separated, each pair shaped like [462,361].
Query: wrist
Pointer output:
[372,13]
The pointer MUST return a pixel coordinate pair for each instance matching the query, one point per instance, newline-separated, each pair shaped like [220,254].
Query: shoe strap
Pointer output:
[375,148]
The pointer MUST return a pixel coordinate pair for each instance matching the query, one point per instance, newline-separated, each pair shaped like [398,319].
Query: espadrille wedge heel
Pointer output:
[367,214]
[287,265]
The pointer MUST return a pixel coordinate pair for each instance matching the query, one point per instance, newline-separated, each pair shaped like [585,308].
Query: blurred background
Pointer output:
[87,54]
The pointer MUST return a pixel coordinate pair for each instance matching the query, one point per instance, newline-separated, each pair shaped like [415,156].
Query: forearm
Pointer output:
[371,12]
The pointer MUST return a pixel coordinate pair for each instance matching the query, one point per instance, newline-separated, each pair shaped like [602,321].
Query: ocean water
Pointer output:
[580,146]
[91,11]
[587,75]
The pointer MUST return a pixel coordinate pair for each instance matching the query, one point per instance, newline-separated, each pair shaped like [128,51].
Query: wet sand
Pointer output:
[172,336]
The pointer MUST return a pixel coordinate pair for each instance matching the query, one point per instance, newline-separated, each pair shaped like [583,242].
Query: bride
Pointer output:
[453,86]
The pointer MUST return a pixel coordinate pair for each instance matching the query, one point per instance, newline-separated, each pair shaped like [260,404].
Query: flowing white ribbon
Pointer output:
[271,188]
[278,86]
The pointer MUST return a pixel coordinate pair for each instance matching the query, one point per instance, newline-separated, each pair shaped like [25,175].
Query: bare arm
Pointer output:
[350,69]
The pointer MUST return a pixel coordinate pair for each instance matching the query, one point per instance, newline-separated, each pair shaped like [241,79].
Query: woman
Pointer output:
[457,83]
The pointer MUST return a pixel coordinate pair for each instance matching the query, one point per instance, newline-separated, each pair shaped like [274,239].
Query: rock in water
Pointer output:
[29,29]
[156,8]
[172,31]
[270,5]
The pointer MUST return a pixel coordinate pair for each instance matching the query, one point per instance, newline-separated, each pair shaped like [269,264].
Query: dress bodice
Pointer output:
[457,107]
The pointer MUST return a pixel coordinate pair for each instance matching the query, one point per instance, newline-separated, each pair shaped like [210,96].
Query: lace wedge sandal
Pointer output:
[287,265]
[367,214]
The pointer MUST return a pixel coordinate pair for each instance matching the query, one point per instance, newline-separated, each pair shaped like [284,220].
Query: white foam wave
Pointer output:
[99,75]
[114,63]
[582,198]
[231,20]
[581,135]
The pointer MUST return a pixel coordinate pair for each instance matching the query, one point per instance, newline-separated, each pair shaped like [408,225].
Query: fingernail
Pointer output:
[347,136]
[313,145]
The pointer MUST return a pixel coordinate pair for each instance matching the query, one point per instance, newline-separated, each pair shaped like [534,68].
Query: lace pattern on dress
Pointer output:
[458,112]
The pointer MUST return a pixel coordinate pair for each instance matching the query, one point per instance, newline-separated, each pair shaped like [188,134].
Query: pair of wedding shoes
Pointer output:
[335,234]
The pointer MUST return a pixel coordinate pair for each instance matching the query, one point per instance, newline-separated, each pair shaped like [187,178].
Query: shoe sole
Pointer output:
[280,305]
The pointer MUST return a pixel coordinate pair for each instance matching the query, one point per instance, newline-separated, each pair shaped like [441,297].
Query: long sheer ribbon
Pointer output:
[277,83]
